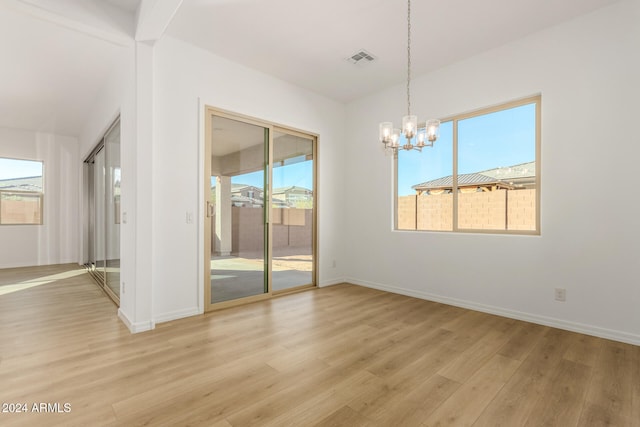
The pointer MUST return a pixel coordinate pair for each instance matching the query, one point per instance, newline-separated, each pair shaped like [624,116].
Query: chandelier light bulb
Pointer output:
[386,130]
[433,130]
[395,138]
[409,126]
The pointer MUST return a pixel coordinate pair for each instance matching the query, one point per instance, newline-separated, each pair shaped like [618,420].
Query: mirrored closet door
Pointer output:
[102,212]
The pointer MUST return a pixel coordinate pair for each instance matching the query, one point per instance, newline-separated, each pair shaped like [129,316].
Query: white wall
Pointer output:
[56,241]
[186,78]
[587,71]
[119,97]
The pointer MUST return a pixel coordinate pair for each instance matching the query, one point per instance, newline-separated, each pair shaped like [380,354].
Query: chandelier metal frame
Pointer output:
[425,136]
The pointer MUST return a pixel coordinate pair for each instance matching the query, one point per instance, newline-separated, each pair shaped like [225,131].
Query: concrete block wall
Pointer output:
[247,230]
[435,212]
[521,209]
[20,211]
[492,210]
[407,213]
[291,228]
[483,211]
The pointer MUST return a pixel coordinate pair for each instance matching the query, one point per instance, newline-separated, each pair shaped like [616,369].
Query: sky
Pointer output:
[12,168]
[504,138]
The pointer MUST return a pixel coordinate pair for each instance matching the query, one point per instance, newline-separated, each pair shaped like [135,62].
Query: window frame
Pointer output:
[38,194]
[537,101]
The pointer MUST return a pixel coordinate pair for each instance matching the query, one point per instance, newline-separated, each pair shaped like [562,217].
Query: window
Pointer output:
[482,175]
[21,191]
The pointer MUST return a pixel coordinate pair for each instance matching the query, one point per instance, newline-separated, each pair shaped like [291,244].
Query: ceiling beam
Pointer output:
[154,17]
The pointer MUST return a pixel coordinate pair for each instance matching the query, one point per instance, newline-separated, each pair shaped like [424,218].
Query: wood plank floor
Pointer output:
[338,356]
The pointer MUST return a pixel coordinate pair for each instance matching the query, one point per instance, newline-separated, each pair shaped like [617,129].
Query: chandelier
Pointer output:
[424,135]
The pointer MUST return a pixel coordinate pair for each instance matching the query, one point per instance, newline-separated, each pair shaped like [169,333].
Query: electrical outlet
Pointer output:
[123,287]
[561,294]
[189,218]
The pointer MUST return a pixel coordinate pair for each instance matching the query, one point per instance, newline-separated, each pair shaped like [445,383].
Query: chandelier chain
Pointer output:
[408,57]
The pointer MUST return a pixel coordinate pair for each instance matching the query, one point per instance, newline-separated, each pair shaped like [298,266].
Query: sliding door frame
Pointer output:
[314,230]
[209,113]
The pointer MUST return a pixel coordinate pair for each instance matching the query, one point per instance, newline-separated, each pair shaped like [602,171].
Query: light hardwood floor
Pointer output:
[338,356]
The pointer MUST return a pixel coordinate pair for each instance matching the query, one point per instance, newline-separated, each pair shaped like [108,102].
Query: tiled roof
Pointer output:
[282,190]
[464,179]
[240,187]
[490,176]
[31,183]
[521,170]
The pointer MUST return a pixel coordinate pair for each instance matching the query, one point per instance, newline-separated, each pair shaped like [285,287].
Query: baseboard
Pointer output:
[596,331]
[135,328]
[39,264]
[331,282]
[179,314]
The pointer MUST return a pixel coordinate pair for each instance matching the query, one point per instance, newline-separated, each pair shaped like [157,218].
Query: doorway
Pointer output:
[260,221]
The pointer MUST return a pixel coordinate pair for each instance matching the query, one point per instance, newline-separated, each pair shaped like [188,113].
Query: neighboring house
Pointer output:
[516,177]
[247,196]
[31,184]
[292,195]
[247,191]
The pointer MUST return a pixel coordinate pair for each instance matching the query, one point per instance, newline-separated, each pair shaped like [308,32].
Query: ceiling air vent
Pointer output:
[361,57]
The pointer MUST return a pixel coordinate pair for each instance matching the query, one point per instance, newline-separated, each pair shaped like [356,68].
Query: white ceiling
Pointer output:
[306,42]
[56,57]
[54,68]
[128,5]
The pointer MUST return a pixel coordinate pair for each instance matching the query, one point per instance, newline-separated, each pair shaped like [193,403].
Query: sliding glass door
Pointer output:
[292,207]
[112,211]
[260,216]
[236,212]
[99,231]
[102,212]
